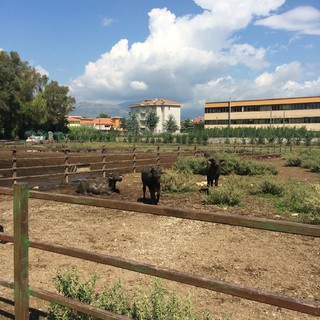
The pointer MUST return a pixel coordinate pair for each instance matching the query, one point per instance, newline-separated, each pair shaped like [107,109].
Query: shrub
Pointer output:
[270,187]
[177,182]
[305,200]
[236,165]
[191,165]
[293,161]
[154,304]
[230,194]
[252,168]
[68,285]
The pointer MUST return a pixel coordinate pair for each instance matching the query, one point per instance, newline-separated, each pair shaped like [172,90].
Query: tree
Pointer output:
[133,126]
[152,120]
[103,115]
[187,125]
[171,124]
[58,106]
[27,101]
[123,124]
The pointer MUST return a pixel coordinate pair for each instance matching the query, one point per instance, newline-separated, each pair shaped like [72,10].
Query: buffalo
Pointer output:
[213,171]
[208,153]
[2,230]
[150,176]
[99,185]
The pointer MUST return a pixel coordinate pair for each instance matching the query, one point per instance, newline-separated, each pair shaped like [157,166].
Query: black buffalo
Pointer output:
[2,230]
[150,176]
[208,153]
[99,185]
[213,171]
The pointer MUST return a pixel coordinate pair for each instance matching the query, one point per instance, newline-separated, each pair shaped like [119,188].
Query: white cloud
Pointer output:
[284,81]
[42,71]
[138,85]
[186,59]
[106,21]
[304,19]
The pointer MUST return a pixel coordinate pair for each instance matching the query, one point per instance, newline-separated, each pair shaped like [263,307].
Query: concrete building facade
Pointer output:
[288,112]
[164,108]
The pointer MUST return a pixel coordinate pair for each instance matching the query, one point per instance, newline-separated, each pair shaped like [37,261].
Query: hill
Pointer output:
[93,109]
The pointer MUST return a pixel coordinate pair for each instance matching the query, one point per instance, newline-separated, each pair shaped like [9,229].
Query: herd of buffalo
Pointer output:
[150,177]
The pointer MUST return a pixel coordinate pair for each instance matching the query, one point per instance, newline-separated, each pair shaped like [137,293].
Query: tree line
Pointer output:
[28,100]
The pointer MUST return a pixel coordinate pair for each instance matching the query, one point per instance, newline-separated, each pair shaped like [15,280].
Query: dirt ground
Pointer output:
[288,264]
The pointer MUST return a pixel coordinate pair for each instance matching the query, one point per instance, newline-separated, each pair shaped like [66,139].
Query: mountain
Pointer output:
[93,109]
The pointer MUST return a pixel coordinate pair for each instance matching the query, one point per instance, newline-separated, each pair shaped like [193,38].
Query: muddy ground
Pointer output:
[284,263]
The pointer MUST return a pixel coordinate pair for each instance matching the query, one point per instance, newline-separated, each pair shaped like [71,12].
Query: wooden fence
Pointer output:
[64,164]
[24,165]
[22,242]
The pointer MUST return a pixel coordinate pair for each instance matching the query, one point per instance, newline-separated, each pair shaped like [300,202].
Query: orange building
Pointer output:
[103,124]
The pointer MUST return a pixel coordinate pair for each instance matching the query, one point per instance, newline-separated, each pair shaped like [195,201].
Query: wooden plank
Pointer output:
[21,254]
[259,295]
[200,215]
[75,305]
[7,283]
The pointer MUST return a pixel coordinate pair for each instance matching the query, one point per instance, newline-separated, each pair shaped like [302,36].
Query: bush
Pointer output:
[191,165]
[293,161]
[253,168]
[230,194]
[305,200]
[236,165]
[270,187]
[177,182]
[154,304]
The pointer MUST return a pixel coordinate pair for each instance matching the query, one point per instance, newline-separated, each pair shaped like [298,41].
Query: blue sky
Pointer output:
[188,51]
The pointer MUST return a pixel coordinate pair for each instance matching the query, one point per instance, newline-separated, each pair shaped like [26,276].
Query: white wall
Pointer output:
[163,113]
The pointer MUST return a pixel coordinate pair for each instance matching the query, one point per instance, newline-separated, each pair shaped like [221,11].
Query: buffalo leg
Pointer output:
[144,191]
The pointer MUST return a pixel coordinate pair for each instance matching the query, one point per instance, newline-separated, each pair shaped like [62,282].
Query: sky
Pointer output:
[187,51]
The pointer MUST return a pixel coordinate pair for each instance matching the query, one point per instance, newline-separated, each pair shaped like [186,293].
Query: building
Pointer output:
[288,112]
[198,120]
[103,124]
[164,108]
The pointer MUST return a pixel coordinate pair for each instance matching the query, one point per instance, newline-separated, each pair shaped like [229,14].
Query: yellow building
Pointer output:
[288,112]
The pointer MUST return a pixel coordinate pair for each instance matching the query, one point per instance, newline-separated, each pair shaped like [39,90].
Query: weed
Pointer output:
[177,182]
[230,194]
[154,304]
[269,187]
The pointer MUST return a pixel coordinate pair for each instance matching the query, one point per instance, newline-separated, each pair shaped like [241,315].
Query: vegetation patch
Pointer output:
[305,159]
[269,187]
[153,304]
[303,199]
[175,182]
[229,194]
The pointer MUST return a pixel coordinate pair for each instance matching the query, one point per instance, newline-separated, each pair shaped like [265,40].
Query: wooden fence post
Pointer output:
[66,167]
[21,248]
[195,151]
[14,166]
[178,151]
[134,159]
[103,162]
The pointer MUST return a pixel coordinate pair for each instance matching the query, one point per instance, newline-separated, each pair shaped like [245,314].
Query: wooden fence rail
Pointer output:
[134,160]
[22,244]
[68,163]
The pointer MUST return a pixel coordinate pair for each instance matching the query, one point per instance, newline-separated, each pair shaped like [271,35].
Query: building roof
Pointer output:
[198,119]
[103,121]
[259,102]
[156,102]
[74,118]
